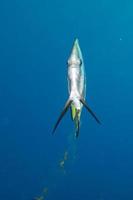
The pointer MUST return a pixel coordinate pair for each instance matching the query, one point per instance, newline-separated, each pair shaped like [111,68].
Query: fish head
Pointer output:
[75,58]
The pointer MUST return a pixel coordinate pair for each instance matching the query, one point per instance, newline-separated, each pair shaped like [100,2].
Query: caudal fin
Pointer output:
[67,105]
[89,110]
[77,122]
[77,129]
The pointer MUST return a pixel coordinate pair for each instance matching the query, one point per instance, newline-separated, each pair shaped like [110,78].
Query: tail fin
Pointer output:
[77,122]
[90,111]
[77,129]
[67,105]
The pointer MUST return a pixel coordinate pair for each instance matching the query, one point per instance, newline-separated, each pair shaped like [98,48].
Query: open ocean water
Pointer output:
[36,38]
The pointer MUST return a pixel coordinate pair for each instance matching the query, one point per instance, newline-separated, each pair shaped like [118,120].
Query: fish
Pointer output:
[76,89]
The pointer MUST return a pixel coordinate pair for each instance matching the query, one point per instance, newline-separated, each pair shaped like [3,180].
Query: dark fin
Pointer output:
[90,111]
[67,105]
[77,123]
[77,130]
[71,113]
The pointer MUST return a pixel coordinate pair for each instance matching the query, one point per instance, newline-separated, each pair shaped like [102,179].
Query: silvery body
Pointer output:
[76,76]
[76,87]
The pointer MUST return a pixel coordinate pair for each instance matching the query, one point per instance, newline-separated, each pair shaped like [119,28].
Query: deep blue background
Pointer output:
[35,42]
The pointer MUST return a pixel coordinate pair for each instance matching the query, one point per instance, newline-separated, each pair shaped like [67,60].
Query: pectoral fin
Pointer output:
[67,105]
[90,111]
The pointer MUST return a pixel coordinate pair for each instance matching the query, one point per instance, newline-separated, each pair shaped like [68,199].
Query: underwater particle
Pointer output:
[44,194]
[61,164]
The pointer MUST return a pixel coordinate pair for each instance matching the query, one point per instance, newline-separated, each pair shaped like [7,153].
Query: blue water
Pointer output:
[36,38]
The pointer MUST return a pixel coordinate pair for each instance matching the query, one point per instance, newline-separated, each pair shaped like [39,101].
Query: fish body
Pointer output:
[76,88]
[76,82]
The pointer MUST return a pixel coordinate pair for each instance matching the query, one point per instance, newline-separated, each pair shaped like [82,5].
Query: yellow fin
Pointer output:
[73,110]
